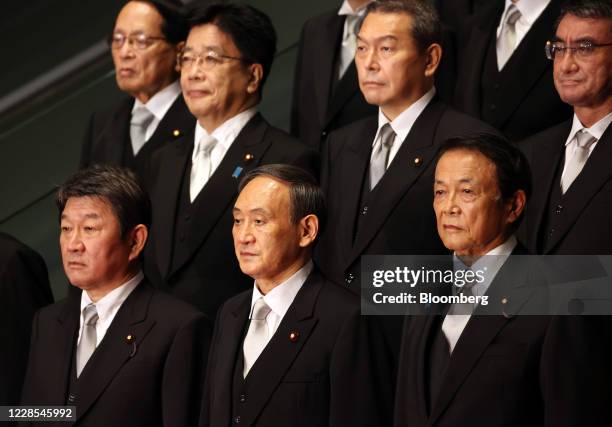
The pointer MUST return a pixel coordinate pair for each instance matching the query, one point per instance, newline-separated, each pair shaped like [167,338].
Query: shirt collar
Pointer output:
[227,132]
[489,264]
[403,123]
[108,305]
[280,298]
[530,10]
[346,9]
[161,102]
[597,130]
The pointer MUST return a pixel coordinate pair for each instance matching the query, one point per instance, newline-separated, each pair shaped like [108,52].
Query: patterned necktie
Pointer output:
[88,342]
[506,44]
[257,336]
[380,154]
[201,166]
[141,118]
[574,166]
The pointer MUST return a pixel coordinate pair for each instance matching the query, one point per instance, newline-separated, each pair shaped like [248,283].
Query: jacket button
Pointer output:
[364,210]
[558,209]
[242,398]
[324,134]
[551,232]
[349,278]
[237,419]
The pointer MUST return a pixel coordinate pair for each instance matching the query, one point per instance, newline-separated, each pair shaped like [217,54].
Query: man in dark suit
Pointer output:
[377,172]
[306,356]
[488,365]
[119,351]
[326,93]
[503,76]
[571,162]
[147,36]
[24,288]
[227,58]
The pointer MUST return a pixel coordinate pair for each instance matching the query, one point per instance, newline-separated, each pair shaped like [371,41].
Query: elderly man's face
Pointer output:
[392,72]
[218,86]
[471,217]
[94,255]
[268,246]
[143,72]
[584,81]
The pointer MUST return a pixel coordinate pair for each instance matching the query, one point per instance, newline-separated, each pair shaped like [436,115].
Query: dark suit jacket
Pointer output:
[331,376]
[508,370]
[527,102]
[24,288]
[154,382]
[317,107]
[401,219]
[584,214]
[209,273]
[108,134]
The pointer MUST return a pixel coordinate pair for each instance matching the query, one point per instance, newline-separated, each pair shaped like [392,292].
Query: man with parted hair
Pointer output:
[294,349]
[570,162]
[489,364]
[119,351]
[144,43]
[226,60]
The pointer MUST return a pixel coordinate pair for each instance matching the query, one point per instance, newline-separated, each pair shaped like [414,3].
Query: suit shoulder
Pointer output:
[460,123]
[355,128]
[173,308]
[105,114]
[562,129]
[338,299]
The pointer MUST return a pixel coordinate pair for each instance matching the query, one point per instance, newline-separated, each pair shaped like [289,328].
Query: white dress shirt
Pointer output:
[225,136]
[348,42]
[159,105]
[108,306]
[403,123]
[281,297]
[530,12]
[454,324]
[597,130]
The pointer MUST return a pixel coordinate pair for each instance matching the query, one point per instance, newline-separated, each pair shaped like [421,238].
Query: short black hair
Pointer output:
[175,26]
[586,9]
[118,186]
[250,29]
[426,25]
[305,195]
[511,165]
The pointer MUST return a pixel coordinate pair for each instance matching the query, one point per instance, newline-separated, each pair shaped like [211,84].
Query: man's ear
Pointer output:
[137,238]
[177,51]
[309,228]
[433,55]
[516,206]
[255,76]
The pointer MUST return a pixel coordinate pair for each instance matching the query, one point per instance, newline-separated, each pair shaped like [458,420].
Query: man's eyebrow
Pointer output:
[381,38]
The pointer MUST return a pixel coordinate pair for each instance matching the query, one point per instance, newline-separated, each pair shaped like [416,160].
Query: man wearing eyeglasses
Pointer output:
[570,163]
[144,44]
[226,60]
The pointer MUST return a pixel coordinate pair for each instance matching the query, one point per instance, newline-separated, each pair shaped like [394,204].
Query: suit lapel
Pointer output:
[546,157]
[117,134]
[330,35]
[344,91]
[228,350]
[355,164]
[177,122]
[480,331]
[596,173]
[276,359]
[475,54]
[68,323]
[169,179]
[113,352]
[519,79]
[222,187]
[402,173]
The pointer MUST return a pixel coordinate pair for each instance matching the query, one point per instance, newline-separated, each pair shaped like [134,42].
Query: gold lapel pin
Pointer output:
[130,338]
[176,133]
[294,336]
[248,157]
[417,161]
